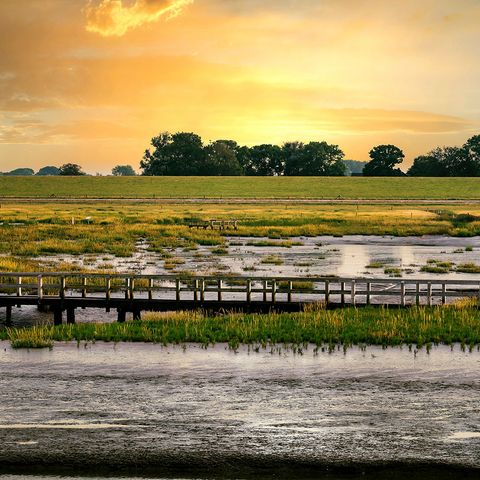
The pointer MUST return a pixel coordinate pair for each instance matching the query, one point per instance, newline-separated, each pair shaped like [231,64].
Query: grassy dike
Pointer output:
[327,329]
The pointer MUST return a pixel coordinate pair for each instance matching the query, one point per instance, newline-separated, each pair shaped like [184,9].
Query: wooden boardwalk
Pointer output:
[64,292]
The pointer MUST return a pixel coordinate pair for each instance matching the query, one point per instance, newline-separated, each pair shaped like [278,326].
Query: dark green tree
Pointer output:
[21,172]
[220,159]
[71,169]
[123,171]
[48,171]
[265,160]
[384,158]
[427,166]
[178,154]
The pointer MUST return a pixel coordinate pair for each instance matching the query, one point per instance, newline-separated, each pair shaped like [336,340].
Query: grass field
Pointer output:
[417,326]
[241,187]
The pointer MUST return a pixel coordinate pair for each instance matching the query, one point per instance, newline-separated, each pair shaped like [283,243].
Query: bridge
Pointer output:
[61,292]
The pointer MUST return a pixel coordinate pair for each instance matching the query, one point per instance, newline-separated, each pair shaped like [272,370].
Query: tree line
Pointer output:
[184,153]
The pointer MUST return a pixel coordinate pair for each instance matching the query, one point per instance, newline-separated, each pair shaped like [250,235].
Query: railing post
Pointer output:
[19,287]
[353,292]
[249,291]
[265,291]
[195,290]
[84,287]
[274,291]
[342,297]
[62,287]
[402,294]
[127,288]
[444,292]
[369,290]
[108,287]
[150,289]
[429,294]
[327,292]
[202,290]
[177,289]
[290,288]
[132,288]
[219,292]
[417,294]
[40,287]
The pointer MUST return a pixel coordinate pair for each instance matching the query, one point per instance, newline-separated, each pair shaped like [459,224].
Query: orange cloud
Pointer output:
[112,18]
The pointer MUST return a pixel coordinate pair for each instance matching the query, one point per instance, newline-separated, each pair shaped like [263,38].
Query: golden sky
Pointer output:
[91,81]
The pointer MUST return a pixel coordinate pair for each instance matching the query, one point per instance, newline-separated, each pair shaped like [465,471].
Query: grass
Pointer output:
[272,260]
[420,326]
[242,187]
[33,230]
[468,268]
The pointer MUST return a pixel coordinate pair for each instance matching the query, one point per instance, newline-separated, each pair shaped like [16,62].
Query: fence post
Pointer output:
[342,297]
[402,294]
[127,288]
[62,287]
[202,290]
[369,290]
[177,289]
[19,287]
[40,287]
[249,291]
[219,293]
[290,288]
[264,290]
[417,294]
[444,292]
[195,290]
[353,292]
[84,287]
[274,291]
[150,289]
[327,292]
[429,294]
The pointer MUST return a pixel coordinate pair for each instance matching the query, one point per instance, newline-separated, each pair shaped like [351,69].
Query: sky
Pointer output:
[92,81]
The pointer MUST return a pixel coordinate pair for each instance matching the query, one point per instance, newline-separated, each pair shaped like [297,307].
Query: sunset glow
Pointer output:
[91,81]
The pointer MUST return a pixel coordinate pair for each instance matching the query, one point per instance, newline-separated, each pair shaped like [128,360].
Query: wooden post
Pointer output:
[202,290]
[40,287]
[57,316]
[132,288]
[137,314]
[121,315]
[127,288]
[249,290]
[265,291]
[62,287]
[327,292]
[70,315]
[417,294]
[150,289]
[177,289]
[195,291]
[290,288]
[274,291]
[444,291]
[342,297]
[108,289]
[353,292]
[8,316]
[219,293]
[429,294]
[402,294]
[84,287]
[369,290]
[478,298]
[19,290]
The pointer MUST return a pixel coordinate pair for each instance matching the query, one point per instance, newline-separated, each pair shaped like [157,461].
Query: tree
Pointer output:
[220,159]
[71,169]
[472,148]
[427,166]
[21,172]
[313,159]
[123,171]
[383,160]
[178,154]
[44,171]
[265,160]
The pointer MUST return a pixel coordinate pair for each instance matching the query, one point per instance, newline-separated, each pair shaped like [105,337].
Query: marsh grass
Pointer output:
[420,326]
[272,260]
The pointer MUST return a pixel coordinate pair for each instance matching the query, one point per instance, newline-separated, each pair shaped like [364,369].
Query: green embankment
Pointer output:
[241,187]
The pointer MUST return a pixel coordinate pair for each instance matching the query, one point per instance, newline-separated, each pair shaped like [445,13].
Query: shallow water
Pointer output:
[149,409]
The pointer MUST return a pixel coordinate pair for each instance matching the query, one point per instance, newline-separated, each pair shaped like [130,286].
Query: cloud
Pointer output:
[112,18]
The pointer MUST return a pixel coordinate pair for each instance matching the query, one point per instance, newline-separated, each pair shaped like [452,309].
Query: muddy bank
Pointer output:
[143,409]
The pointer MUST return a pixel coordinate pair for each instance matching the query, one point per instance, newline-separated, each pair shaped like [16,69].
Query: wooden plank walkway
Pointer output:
[63,291]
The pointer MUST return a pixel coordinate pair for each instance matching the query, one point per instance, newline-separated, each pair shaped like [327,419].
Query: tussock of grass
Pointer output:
[468,268]
[272,260]
[457,323]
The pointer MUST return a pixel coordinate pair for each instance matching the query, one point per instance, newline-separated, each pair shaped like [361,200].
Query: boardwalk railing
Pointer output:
[134,293]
